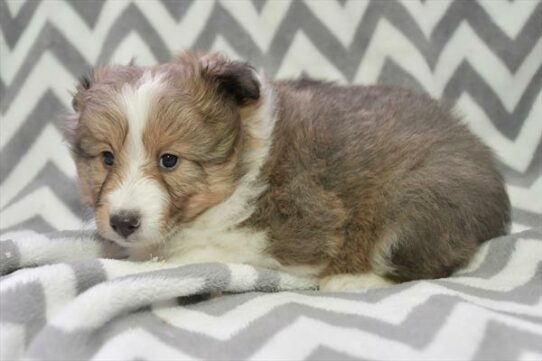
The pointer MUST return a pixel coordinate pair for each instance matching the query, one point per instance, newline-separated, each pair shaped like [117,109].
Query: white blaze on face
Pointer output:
[137,192]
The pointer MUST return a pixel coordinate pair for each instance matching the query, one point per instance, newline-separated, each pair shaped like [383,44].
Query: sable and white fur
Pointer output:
[357,186]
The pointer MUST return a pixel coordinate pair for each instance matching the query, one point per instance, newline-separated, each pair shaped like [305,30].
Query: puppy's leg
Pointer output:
[437,220]
[353,282]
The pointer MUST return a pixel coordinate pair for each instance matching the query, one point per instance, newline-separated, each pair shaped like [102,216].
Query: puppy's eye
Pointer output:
[168,161]
[108,158]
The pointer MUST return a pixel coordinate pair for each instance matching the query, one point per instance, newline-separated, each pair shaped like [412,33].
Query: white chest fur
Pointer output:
[238,245]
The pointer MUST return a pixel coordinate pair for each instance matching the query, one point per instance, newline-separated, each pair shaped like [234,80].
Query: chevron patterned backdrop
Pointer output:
[484,56]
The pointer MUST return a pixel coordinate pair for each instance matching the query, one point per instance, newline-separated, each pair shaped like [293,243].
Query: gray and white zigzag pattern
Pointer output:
[484,56]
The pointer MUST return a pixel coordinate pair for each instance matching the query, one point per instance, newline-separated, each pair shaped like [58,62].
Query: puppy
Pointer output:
[202,159]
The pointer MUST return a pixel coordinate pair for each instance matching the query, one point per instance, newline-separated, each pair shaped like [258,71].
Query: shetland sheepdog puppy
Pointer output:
[202,159]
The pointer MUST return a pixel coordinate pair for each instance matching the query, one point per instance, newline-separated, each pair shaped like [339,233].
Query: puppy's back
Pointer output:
[395,182]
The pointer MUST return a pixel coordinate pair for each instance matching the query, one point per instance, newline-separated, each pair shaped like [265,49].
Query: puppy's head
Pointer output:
[157,146]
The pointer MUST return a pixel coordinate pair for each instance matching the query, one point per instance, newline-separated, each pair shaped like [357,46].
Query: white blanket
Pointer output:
[60,301]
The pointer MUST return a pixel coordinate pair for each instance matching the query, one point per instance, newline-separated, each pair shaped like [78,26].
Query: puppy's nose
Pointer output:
[125,223]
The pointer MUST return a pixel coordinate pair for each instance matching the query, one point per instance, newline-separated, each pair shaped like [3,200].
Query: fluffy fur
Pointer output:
[358,186]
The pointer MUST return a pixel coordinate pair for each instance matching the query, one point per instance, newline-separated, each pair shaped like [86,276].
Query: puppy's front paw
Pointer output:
[353,282]
[113,250]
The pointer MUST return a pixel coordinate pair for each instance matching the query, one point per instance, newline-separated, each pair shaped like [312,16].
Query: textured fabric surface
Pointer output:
[89,308]
[485,57]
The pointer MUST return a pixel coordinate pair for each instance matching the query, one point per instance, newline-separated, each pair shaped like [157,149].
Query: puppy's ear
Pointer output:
[85,82]
[233,79]
[71,122]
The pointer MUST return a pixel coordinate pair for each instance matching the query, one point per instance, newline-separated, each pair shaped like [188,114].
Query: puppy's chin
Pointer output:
[133,241]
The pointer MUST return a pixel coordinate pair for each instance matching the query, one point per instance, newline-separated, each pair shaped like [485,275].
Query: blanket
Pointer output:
[60,302]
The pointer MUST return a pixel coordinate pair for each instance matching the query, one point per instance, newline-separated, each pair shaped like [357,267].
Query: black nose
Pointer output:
[125,223]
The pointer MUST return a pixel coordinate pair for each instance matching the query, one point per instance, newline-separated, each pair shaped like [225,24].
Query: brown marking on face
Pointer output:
[101,128]
[205,133]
